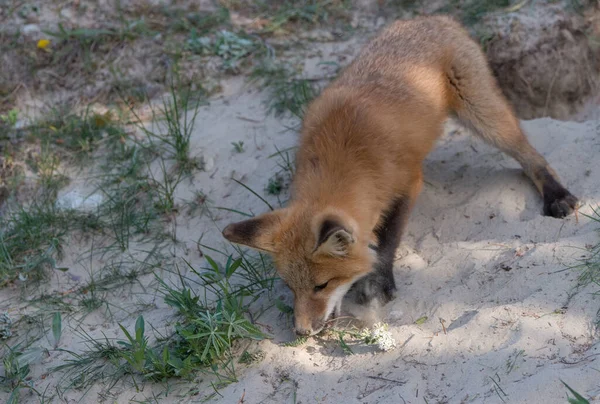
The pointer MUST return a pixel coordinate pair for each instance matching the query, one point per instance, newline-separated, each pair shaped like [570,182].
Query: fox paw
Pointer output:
[561,206]
[373,287]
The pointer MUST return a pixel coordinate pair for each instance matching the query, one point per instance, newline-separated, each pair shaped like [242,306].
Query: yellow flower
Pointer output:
[43,43]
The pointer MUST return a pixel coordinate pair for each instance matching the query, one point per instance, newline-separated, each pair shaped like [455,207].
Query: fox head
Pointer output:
[319,256]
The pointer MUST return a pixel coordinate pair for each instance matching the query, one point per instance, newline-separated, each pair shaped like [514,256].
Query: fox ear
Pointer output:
[257,233]
[333,238]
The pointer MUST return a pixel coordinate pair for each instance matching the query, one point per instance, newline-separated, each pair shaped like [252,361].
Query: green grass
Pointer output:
[470,12]
[203,338]
[577,398]
[16,364]
[286,15]
[176,119]
[590,265]
[32,240]
[232,48]
[288,95]
[80,134]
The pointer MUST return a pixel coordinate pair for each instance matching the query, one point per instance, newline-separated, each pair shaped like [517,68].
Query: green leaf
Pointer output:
[230,269]
[212,263]
[129,337]
[29,356]
[284,307]
[421,320]
[579,399]
[345,346]
[139,329]
[56,327]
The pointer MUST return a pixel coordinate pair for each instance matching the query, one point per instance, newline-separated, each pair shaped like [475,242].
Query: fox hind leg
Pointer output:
[479,105]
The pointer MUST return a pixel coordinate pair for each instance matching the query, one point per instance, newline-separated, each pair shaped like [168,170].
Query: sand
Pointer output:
[505,321]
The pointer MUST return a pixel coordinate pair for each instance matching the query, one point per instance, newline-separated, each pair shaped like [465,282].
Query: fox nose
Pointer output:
[303,332]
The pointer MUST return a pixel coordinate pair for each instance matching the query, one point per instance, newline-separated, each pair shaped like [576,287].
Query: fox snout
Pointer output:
[307,327]
[309,315]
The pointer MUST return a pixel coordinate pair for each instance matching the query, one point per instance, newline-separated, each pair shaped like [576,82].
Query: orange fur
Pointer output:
[363,143]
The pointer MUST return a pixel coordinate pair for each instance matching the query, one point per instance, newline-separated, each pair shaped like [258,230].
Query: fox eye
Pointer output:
[321,287]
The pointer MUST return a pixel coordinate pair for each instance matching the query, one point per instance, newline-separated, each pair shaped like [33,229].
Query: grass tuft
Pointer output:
[202,340]
[32,240]
[288,94]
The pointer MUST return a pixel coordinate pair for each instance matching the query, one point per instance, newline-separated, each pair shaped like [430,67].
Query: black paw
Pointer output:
[560,206]
[373,286]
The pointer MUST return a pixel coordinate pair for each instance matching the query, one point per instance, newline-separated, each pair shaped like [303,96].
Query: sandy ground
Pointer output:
[505,320]
[478,256]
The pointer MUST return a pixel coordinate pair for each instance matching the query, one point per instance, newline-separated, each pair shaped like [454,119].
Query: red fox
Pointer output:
[359,163]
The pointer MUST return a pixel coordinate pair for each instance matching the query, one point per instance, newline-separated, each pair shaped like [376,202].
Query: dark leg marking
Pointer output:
[558,202]
[380,283]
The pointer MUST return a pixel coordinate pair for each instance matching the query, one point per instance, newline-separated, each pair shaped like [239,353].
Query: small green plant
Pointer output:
[297,342]
[238,147]
[232,48]
[11,117]
[80,133]
[378,335]
[472,11]
[202,340]
[6,323]
[590,265]
[178,115]
[249,358]
[47,165]
[288,94]
[16,363]
[275,185]
[310,13]
[31,239]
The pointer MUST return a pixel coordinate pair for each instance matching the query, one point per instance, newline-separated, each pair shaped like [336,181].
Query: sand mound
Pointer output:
[545,60]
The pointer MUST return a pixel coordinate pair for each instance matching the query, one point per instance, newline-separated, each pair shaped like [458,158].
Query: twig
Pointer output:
[399,382]
[442,321]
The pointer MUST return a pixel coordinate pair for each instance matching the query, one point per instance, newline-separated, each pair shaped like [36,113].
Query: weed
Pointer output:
[472,11]
[178,113]
[238,147]
[81,44]
[180,20]
[378,335]
[307,12]
[31,239]
[232,48]
[198,205]
[46,164]
[297,342]
[275,185]
[164,185]
[287,94]
[511,363]
[590,266]
[56,328]
[16,363]
[202,339]
[249,358]
[79,133]
[6,323]
[10,118]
